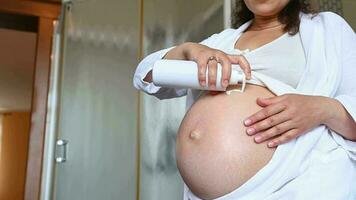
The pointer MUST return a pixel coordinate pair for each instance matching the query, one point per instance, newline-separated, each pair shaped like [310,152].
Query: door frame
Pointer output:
[47,13]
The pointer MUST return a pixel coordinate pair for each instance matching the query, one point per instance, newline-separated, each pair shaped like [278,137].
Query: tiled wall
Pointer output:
[349,8]
[345,8]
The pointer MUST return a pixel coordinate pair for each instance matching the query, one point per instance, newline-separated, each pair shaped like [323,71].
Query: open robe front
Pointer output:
[319,164]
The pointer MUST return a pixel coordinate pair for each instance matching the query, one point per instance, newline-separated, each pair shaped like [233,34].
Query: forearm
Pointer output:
[338,119]
[177,53]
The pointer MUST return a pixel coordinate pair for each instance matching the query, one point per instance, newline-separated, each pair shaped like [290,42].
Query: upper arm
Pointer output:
[346,92]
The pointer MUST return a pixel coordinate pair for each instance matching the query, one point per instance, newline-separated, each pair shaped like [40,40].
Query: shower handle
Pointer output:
[61,156]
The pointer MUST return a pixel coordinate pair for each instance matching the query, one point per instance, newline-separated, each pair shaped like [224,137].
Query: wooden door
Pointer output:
[46,13]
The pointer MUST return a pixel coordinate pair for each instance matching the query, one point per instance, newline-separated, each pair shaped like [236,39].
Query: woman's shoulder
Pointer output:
[335,29]
[330,22]
[328,18]
[332,17]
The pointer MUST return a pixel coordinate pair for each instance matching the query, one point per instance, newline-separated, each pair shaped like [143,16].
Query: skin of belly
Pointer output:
[214,154]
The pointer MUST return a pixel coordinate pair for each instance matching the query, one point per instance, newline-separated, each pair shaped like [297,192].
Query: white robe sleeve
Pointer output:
[346,93]
[146,66]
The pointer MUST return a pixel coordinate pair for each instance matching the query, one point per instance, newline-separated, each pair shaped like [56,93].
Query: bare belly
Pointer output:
[214,154]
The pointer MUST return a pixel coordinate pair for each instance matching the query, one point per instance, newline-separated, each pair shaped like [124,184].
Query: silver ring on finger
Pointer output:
[211,58]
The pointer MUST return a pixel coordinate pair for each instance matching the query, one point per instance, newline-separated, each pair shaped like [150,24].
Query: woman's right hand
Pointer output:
[202,55]
[208,58]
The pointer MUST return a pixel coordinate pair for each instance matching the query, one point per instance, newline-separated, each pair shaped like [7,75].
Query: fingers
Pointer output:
[268,101]
[205,64]
[284,138]
[268,123]
[264,113]
[202,67]
[212,74]
[224,60]
[244,64]
[274,131]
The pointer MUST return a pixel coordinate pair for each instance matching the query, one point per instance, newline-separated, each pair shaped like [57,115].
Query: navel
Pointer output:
[194,135]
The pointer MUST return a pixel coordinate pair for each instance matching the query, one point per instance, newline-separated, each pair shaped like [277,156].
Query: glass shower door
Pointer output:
[98,107]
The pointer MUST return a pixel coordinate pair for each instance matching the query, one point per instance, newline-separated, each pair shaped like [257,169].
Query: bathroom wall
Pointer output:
[345,8]
[349,8]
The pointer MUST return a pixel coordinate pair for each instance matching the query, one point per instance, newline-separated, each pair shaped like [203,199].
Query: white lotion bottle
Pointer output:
[184,74]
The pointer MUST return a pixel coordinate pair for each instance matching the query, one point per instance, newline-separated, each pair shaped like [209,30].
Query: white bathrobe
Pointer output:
[319,164]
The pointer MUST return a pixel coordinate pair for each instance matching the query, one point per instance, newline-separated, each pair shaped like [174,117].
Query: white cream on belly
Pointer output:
[229,92]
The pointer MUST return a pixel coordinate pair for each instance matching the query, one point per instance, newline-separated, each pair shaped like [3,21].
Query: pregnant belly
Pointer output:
[214,154]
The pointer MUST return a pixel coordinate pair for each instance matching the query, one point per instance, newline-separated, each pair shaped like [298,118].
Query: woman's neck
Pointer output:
[265,22]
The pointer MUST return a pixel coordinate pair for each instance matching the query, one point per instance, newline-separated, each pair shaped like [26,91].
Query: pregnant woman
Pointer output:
[291,134]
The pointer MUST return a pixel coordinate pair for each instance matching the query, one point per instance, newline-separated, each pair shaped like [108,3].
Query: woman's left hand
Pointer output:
[286,117]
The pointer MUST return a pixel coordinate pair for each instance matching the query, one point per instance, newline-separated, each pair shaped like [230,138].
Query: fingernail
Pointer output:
[271,144]
[247,122]
[225,83]
[250,131]
[202,83]
[258,138]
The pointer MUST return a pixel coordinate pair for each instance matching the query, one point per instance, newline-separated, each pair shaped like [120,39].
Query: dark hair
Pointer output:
[289,16]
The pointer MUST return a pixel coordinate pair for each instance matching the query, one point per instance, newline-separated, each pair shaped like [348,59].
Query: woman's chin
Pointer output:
[266,8]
